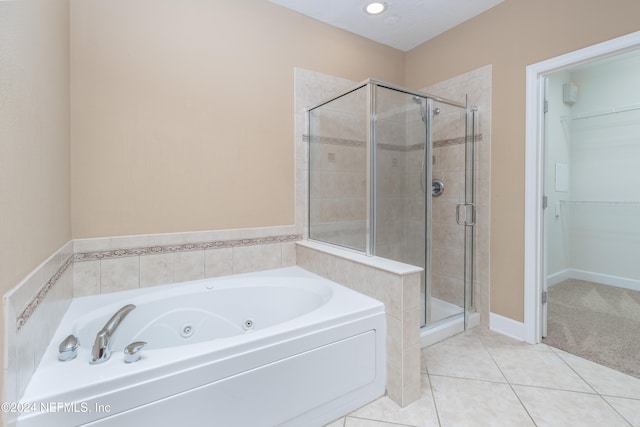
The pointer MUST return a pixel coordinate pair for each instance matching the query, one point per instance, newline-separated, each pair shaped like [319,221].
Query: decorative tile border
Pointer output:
[184,247]
[150,250]
[42,293]
[454,141]
[393,147]
[415,147]
[443,143]
[333,141]
[390,147]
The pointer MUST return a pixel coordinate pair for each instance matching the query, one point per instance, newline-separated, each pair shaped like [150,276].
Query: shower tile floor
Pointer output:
[481,378]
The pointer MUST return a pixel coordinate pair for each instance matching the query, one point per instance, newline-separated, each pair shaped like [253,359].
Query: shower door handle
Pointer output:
[458,214]
[464,220]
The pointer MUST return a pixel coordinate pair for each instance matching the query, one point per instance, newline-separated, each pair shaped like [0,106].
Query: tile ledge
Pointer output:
[380,263]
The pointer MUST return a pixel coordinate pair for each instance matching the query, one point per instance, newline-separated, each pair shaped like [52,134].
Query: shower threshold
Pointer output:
[445,327]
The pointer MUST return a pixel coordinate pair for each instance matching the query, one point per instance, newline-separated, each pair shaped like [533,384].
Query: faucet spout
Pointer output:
[101,351]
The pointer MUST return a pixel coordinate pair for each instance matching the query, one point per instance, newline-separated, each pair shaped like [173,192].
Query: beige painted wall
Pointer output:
[182,111]
[511,36]
[34,136]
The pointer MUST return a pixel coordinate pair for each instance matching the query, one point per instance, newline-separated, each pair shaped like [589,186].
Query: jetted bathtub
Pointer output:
[278,347]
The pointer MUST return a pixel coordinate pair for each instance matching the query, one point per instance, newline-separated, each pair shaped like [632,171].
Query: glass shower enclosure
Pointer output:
[391,175]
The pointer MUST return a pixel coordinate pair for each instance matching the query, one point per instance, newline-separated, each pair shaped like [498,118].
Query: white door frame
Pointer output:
[533,215]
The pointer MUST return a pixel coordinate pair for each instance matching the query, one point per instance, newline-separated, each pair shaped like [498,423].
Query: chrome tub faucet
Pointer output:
[101,351]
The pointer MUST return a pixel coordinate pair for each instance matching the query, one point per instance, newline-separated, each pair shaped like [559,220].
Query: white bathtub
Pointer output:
[315,351]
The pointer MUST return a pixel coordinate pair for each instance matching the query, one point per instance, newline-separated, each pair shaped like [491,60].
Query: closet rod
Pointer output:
[603,113]
[626,203]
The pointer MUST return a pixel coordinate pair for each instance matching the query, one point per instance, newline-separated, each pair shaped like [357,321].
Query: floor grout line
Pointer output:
[592,387]
[615,410]
[423,362]
[433,397]
[595,393]
[470,379]
[577,373]
[486,347]
[379,421]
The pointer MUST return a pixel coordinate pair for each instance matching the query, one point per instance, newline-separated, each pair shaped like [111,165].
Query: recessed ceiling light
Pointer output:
[375,8]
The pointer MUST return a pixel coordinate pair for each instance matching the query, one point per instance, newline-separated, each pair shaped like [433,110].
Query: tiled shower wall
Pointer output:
[311,88]
[392,142]
[338,171]
[401,138]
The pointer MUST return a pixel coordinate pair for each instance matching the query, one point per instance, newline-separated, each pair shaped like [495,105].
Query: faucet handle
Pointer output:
[68,348]
[132,351]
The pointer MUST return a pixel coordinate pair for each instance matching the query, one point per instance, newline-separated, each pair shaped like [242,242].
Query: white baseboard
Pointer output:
[590,276]
[505,326]
[561,276]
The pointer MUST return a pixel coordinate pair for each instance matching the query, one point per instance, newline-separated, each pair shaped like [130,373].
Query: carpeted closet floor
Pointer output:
[597,322]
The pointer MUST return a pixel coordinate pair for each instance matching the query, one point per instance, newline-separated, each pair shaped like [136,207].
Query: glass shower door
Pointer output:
[452,214]
[424,195]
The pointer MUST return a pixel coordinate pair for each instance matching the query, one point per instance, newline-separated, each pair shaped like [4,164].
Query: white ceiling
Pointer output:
[404,25]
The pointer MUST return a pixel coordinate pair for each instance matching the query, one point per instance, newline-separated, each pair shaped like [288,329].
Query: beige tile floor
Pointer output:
[481,378]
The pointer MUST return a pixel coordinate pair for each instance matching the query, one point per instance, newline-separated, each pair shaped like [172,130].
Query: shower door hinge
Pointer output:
[546,106]
[544,297]
[545,202]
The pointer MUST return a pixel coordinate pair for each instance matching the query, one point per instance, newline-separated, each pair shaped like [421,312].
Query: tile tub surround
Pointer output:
[122,263]
[32,311]
[397,285]
[34,308]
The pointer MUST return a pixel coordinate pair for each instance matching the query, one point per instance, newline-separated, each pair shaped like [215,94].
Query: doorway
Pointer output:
[591,228]
[563,205]
[534,267]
